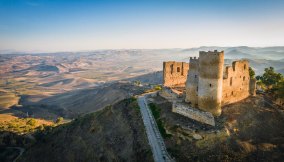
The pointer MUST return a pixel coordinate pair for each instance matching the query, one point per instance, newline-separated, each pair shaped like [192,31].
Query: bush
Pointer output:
[157,87]
[31,122]
[59,120]
[156,113]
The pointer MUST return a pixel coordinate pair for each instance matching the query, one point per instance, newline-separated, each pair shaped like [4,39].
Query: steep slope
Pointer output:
[112,134]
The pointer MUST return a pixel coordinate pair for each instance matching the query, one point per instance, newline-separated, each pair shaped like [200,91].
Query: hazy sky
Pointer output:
[69,25]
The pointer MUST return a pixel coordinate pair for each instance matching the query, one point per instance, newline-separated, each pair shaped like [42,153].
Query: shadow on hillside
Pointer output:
[81,101]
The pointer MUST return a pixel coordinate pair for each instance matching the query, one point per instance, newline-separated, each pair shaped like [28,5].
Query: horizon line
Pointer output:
[107,49]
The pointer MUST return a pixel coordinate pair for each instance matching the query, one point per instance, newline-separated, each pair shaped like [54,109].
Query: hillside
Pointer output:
[249,130]
[115,133]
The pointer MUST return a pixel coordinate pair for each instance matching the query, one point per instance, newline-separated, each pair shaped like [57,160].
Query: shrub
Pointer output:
[157,87]
[31,122]
[59,120]
[156,113]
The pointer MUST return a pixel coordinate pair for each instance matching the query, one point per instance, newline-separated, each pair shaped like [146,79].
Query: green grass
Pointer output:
[156,113]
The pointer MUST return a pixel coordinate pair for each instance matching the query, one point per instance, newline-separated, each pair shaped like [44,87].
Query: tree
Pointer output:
[270,77]
[279,89]
[251,72]
[137,82]
[59,120]
[259,78]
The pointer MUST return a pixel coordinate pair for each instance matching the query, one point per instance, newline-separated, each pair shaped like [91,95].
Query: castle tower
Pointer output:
[210,81]
[192,83]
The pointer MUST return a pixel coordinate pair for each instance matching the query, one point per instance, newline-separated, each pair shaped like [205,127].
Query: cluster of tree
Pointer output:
[18,125]
[137,83]
[271,81]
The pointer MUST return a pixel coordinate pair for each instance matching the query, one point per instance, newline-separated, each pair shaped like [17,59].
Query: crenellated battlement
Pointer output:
[209,83]
[175,73]
[240,65]
[194,61]
[193,58]
[210,53]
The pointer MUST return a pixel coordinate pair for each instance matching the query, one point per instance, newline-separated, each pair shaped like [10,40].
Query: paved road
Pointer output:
[154,137]
[22,150]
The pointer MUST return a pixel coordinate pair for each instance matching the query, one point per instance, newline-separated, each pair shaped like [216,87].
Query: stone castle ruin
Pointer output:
[175,73]
[210,84]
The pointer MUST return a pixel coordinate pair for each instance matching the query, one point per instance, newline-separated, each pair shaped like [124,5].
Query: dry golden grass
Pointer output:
[22,125]
[6,117]
[8,99]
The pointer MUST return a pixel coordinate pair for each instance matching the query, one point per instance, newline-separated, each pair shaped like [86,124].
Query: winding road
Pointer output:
[21,151]
[154,137]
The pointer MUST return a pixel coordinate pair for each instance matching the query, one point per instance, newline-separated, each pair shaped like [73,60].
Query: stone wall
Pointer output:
[175,73]
[236,82]
[168,94]
[208,86]
[195,114]
[192,82]
[252,86]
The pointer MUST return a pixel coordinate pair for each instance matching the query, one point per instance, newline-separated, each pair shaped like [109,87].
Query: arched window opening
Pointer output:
[210,85]
[245,66]
[232,93]
[172,69]
[244,78]
[231,81]
[197,89]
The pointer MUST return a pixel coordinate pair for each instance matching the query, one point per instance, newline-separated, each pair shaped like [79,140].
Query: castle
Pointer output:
[209,84]
[175,73]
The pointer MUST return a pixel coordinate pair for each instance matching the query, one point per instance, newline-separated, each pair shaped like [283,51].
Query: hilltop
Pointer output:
[115,133]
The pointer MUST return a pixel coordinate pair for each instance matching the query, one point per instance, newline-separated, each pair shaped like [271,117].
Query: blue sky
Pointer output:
[74,25]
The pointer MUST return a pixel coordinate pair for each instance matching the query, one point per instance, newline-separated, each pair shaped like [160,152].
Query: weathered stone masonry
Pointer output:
[175,73]
[210,85]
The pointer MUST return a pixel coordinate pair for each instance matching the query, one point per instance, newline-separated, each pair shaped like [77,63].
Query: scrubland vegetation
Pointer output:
[24,125]
[156,113]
